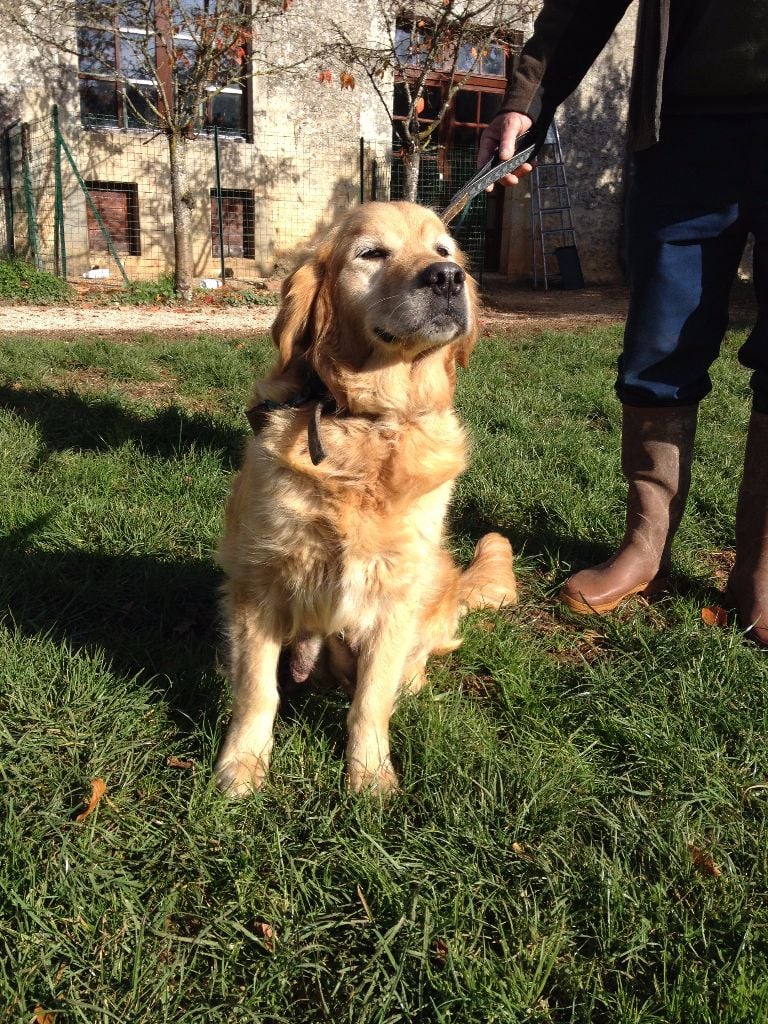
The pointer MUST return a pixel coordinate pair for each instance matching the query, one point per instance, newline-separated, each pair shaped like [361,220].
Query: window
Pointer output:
[118,206]
[483,82]
[121,61]
[116,84]
[491,62]
[473,109]
[433,98]
[412,48]
[238,221]
[408,47]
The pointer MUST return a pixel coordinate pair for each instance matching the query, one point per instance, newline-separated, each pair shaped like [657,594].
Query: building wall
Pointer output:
[592,126]
[302,167]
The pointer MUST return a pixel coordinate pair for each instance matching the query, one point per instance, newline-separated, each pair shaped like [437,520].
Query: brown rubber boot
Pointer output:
[656,452]
[748,582]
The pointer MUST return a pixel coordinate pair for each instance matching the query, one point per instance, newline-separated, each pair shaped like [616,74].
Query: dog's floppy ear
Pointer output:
[306,310]
[292,327]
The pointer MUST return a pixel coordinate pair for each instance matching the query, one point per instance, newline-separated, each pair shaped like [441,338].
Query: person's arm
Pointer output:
[568,36]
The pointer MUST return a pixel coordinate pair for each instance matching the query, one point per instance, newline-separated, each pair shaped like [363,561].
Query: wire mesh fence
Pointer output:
[441,175]
[96,203]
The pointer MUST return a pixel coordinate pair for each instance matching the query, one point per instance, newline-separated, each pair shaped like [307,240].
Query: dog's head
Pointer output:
[384,290]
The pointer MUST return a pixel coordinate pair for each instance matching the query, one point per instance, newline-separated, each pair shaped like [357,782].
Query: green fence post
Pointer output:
[29,198]
[94,209]
[58,226]
[10,237]
[219,204]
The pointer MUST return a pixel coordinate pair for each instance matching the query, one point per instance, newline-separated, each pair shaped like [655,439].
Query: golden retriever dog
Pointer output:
[333,547]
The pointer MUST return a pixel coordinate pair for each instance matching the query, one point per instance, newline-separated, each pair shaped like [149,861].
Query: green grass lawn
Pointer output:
[581,830]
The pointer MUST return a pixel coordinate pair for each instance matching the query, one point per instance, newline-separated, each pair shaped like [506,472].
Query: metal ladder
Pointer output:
[552,231]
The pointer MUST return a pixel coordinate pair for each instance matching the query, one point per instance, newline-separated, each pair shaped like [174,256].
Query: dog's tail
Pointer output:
[489,581]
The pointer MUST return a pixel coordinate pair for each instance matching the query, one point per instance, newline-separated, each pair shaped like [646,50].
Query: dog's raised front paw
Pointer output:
[239,775]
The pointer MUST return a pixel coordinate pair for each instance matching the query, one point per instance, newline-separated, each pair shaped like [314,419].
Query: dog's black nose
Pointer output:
[443,278]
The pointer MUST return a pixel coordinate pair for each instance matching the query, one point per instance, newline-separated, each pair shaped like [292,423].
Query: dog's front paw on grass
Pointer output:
[240,775]
[382,781]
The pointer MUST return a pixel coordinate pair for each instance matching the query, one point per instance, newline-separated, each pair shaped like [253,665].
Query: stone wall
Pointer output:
[303,165]
[592,126]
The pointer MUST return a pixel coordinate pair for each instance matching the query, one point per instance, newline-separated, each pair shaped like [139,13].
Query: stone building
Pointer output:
[293,150]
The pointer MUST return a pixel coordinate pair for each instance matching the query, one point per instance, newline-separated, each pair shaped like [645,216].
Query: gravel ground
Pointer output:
[512,309]
[516,310]
[502,307]
[76,320]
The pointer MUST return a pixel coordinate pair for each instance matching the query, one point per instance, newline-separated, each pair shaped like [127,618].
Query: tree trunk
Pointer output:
[411,175]
[182,203]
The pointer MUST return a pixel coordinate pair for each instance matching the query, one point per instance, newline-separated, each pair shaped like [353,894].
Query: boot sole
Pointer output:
[583,608]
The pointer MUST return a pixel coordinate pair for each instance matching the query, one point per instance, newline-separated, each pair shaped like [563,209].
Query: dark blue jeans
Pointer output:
[695,197]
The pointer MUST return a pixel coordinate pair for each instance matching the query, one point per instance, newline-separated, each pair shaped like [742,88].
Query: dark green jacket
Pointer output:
[568,36]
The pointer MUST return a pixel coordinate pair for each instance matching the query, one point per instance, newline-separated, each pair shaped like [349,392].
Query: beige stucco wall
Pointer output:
[303,165]
[592,126]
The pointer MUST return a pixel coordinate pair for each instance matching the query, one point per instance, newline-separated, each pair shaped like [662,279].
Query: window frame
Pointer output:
[120,30]
[133,224]
[441,79]
[248,199]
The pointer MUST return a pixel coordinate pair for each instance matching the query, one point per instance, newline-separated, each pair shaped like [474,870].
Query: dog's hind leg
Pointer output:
[489,580]
[242,764]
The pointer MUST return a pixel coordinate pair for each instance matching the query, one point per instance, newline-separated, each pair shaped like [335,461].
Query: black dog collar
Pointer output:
[313,392]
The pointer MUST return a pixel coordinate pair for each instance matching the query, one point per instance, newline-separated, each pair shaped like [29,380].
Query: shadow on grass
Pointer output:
[70,421]
[150,616]
[542,542]
[157,619]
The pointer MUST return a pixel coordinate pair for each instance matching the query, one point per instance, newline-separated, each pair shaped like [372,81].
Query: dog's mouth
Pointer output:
[437,329]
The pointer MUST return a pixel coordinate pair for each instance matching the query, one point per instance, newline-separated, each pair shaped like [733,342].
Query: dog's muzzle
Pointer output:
[435,307]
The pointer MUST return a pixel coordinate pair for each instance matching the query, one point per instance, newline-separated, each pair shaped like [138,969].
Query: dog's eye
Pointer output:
[442,250]
[373,254]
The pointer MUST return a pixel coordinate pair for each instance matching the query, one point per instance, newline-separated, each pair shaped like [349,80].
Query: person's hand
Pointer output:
[502,134]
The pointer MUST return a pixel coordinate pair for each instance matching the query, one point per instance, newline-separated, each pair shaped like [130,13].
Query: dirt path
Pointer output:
[516,310]
[77,321]
[507,308]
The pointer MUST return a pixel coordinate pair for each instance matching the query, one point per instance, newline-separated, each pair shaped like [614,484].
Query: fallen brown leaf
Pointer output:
[522,852]
[98,789]
[266,933]
[44,1016]
[364,902]
[440,951]
[703,862]
[714,616]
[178,762]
